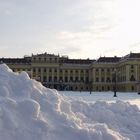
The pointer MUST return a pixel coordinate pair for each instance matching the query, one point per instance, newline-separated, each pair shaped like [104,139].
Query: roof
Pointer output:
[108,59]
[131,56]
[15,60]
[79,61]
[45,54]
[134,55]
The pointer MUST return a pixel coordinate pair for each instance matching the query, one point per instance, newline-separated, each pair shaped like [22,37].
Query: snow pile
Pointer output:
[29,111]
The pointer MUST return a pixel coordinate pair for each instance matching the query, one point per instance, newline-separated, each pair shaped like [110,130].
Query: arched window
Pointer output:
[132,78]
[108,88]
[132,88]
[97,88]
[102,88]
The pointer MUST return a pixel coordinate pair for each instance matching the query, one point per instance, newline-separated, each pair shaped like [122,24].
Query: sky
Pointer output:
[77,28]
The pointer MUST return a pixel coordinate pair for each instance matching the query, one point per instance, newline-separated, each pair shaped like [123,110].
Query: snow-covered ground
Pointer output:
[131,97]
[29,111]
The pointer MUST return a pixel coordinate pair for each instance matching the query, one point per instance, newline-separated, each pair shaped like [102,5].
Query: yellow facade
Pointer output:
[62,73]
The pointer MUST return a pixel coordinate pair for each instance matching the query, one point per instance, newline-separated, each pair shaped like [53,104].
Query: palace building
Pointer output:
[62,73]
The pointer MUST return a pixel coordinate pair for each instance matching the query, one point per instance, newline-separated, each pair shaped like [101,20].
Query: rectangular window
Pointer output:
[87,80]
[44,69]
[102,79]
[33,69]
[44,78]
[97,79]
[97,70]
[66,79]
[102,70]
[50,79]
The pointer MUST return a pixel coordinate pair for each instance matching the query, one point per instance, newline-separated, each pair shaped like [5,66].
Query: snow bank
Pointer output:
[29,111]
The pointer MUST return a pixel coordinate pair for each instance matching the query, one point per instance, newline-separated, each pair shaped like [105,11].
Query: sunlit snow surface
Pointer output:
[131,97]
[29,111]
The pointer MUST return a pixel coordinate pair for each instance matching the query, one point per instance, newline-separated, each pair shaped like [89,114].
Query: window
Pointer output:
[97,88]
[108,70]
[132,66]
[71,78]
[55,79]
[66,79]
[33,69]
[132,88]
[39,59]
[108,88]
[102,88]
[76,79]
[50,59]
[102,79]
[55,59]
[97,70]
[97,79]
[60,79]
[113,79]
[44,69]
[87,79]
[50,79]
[44,78]
[132,78]
[39,70]
[108,79]
[82,79]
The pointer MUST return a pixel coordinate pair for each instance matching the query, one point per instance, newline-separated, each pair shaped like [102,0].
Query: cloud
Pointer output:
[75,27]
[135,45]
[6,9]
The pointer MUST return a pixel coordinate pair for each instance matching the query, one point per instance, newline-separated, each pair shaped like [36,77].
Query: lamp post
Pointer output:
[138,87]
[115,82]
[80,86]
[90,86]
